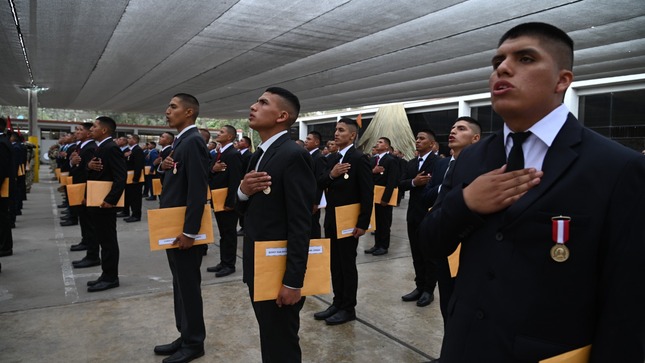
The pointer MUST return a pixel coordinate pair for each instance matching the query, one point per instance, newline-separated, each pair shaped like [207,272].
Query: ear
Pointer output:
[476,138]
[283,116]
[189,113]
[565,77]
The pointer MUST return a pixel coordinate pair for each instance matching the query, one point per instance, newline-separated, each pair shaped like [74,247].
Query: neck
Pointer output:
[267,134]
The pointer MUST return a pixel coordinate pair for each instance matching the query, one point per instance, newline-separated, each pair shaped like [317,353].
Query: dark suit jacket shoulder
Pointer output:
[136,162]
[509,286]
[79,172]
[390,177]
[188,186]
[417,205]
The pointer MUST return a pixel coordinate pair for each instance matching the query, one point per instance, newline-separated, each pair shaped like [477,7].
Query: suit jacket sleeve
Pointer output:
[138,163]
[366,190]
[116,162]
[393,174]
[196,164]
[300,189]
[234,169]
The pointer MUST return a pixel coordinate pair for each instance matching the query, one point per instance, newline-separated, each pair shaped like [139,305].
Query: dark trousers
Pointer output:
[104,222]
[344,275]
[315,225]
[87,229]
[227,226]
[133,199]
[6,237]
[383,216]
[279,328]
[446,286]
[147,185]
[185,266]
[425,270]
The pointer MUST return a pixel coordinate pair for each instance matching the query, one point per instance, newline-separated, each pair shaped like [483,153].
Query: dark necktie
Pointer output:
[254,159]
[420,164]
[376,158]
[516,156]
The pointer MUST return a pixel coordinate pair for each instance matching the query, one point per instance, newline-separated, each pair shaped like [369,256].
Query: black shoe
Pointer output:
[63,205]
[132,219]
[122,214]
[68,222]
[184,356]
[240,232]
[425,299]
[6,253]
[168,349]
[94,282]
[412,296]
[152,198]
[78,247]
[341,317]
[103,285]
[86,262]
[225,271]
[380,251]
[370,250]
[322,315]
[215,268]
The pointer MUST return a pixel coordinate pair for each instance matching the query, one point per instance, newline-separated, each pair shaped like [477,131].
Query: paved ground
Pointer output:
[46,314]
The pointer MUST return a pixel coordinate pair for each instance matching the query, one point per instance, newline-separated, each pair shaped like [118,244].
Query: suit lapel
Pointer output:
[557,161]
[268,155]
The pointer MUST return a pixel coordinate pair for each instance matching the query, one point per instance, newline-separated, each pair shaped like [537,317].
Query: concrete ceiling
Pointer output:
[132,56]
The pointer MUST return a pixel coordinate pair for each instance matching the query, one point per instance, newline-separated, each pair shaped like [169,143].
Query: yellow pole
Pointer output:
[34,140]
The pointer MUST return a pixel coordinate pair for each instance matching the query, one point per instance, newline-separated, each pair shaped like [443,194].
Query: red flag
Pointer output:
[359,120]
[9,124]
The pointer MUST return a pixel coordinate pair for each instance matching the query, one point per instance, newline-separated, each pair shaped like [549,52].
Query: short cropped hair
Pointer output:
[316,135]
[86,125]
[190,101]
[562,44]
[474,124]
[107,122]
[429,132]
[389,143]
[291,100]
[350,122]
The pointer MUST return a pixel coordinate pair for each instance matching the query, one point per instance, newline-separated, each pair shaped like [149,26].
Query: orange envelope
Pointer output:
[580,355]
[271,263]
[165,224]
[62,177]
[378,195]
[75,194]
[208,193]
[453,261]
[4,189]
[219,198]
[347,217]
[21,170]
[146,170]
[156,186]
[97,191]
[57,172]
[130,177]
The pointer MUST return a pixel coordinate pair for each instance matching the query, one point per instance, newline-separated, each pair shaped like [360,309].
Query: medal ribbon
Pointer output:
[560,230]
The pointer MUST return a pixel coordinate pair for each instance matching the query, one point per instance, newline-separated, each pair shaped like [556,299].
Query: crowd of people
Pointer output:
[535,253]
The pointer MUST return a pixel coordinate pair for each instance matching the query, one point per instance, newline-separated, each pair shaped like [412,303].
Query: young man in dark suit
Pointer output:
[135,162]
[226,172]
[7,175]
[385,172]
[78,160]
[108,164]
[549,216]
[418,172]
[165,141]
[347,180]
[312,144]
[185,185]
[276,197]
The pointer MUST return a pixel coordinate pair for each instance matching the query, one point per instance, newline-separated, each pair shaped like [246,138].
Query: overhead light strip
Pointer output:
[22,41]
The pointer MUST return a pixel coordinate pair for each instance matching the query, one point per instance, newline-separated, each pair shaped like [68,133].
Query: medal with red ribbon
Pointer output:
[560,252]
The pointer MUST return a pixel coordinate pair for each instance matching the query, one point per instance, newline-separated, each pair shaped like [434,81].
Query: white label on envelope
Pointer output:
[278,251]
[315,250]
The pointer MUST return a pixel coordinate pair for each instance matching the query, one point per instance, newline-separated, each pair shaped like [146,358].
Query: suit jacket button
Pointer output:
[479,314]
[499,236]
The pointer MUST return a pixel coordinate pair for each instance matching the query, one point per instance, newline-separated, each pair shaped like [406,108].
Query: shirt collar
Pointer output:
[547,128]
[186,129]
[313,151]
[223,148]
[98,143]
[85,142]
[267,144]
[165,147]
